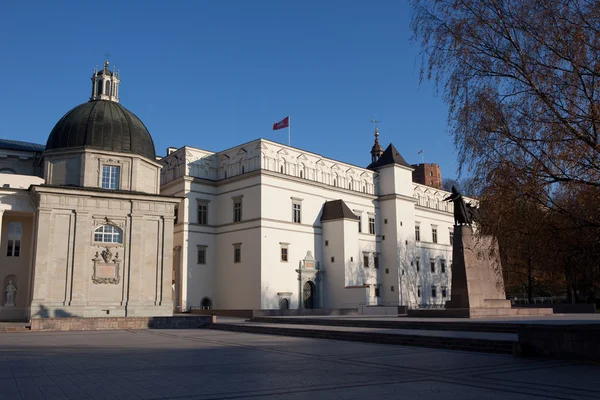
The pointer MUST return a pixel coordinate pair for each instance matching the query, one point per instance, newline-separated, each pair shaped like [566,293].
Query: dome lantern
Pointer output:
[105,84]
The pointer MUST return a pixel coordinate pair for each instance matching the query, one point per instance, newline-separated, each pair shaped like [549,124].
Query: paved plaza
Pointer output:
[211,364]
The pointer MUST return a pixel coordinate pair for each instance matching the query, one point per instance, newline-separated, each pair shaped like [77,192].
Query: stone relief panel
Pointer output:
[106,267]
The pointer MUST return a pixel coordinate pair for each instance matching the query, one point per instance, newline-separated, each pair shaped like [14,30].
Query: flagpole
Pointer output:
[289,129]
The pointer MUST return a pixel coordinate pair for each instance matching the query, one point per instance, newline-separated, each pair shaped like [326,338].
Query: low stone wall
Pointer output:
[223,313]
[577,342]
[383,310]
[562,308]
[276,313]
[115,323]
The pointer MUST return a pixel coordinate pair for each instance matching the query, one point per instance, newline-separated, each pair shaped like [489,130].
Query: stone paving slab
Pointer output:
[209,364]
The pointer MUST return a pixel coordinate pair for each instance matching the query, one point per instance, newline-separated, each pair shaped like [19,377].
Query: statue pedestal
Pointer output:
[477,280]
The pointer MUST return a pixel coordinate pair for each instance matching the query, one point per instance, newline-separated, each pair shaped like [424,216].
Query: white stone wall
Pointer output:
[254,172]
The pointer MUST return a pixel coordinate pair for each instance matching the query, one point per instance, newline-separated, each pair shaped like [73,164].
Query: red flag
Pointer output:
[284,123]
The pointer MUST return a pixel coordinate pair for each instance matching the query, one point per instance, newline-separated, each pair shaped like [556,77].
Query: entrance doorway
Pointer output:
[308,295]
[206,303]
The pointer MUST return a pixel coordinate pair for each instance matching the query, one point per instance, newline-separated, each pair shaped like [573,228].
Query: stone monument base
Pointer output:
[477,289]
[487,312]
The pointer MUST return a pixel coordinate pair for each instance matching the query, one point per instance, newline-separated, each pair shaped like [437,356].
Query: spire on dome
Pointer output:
[376,150]
[105,83]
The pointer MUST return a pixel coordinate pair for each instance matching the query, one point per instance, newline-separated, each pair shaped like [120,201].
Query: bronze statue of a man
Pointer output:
[463,213]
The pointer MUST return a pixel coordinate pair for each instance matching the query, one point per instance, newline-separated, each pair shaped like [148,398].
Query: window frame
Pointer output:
[119,234]
[417,232]
[376,260]
[237,208]
[201,249]
[297,212]
[109,168]
[201,203]
[14,239]
[372,230]
[432,265]
[366,260]
[237,253]
[434,234]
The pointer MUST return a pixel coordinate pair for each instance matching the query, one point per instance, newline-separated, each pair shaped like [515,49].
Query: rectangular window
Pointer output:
[237,210]
[434,234]
[359,223]
[15,235]
[444,291]
[110,176]
[433,292]
[176,215]
[432,263]
[297,213]
[418,265]
[419,292]
[451,238]
[237,253]
[377,291]
[366,260]
[201,255]
[443,266]
[417,233]
[376,260]
[202,213]
[392,288]
[372,225]
[284,254]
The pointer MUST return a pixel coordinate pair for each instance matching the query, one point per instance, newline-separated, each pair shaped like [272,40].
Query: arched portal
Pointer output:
[308,295]
[206,303]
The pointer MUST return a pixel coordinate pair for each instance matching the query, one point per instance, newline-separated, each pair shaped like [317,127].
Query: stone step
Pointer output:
[6,327]
[440,342]
[398,324]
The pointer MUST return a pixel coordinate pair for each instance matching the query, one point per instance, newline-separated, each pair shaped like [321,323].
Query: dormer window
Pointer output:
[110,176]
[108,234]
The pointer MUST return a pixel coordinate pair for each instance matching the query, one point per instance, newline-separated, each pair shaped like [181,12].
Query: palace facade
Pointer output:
[93,223]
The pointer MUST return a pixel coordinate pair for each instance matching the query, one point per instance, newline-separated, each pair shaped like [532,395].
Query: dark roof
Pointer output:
[389,156]
[336,209]
[103,125]
[23,146]
[105,72]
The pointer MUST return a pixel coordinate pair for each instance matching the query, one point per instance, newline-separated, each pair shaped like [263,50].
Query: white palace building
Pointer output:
[90,227]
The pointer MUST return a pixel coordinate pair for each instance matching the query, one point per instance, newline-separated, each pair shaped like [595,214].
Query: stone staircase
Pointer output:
[381,332]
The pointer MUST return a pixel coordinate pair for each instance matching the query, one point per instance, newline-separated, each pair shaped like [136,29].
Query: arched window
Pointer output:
[108,88]
[108,234]
[301,174]
[100,84]
[281,169]
[350,185]
[243,170]
[334,182]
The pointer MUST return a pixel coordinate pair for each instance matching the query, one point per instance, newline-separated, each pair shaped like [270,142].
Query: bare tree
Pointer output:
[522,80]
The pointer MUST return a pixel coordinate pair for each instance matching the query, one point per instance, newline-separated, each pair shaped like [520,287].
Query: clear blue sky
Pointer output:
[214,74]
